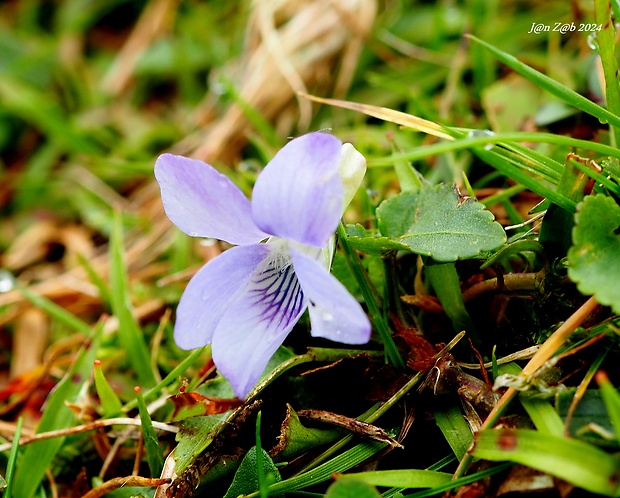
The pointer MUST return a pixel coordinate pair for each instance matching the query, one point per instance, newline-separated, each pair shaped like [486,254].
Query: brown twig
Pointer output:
[89,427]
[120,482]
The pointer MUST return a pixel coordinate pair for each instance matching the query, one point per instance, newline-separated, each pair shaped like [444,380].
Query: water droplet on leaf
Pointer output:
[592,41]
[482,133]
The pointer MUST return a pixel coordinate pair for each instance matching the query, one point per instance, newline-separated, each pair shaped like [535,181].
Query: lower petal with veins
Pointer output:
[334,313]
[256,324]
[212,291]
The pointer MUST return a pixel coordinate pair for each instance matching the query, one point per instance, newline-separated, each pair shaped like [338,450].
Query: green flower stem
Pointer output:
[445,282]
[355,264]
[607,52]
[392,288]
[260,472]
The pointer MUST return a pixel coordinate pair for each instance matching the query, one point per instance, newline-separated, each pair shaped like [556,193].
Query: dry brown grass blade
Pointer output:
[386,114]
[291,46]
[156,18]
[30,339]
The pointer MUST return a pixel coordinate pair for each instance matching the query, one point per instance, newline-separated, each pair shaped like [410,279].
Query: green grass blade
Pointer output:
[104,291]
[468,142]
[566,94]
[55,311]
[403,478]
[260,471]
[543,415]
[27,102]
[110,403]
[57,415]
[154,453]
[10,466]
[455,429]
[445,282]
[461,481]
[129,332]
[607,50]
[391,350]
[173,376]
[323,472]
[510,166]
[578,463]
[611,398]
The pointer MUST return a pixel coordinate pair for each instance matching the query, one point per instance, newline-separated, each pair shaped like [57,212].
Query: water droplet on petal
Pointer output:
[7,281]
[326,316]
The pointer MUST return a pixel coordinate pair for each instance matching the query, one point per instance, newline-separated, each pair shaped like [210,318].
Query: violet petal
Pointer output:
[334,313]
[211,292]
[256,324]
[204,203]
[298,196]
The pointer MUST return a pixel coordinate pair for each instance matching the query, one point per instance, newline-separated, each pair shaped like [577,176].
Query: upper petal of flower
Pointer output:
[352,170]
[256,324]
[204,203]
[211,292]
[298,196]
[334,313]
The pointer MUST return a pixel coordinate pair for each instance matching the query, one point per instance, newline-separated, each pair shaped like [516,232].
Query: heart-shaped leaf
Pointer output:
[593,261]
[437,221]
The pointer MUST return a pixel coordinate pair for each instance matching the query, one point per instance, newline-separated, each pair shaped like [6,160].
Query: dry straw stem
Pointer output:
[97,424]
[156,18]
[291,47]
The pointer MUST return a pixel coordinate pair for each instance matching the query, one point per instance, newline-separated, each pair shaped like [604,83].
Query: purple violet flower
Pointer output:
[247,300]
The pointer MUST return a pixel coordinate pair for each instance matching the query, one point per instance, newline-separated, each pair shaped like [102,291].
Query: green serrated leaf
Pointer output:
[246,478]
[438,222]
[351,488]
[593,260]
